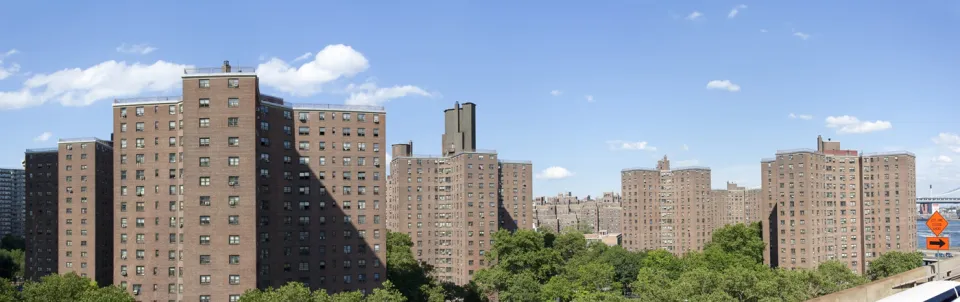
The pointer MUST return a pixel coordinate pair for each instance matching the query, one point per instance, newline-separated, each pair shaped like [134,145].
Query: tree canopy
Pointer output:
[893,263]
[532,266]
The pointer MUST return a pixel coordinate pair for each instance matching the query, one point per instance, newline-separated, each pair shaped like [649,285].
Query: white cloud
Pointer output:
[685,163]
[589,98]
[369,94]
[736,10]
[694,16]
[947,139]
[556,92]
[850,124]
[302,57]
[43,137]
[140,49]
[942,159]
[686,148]
[6,72]
[800,116]
[331,63]
[801,35]
[628,145]
[554,172]
[81,87]
[723,85]
[763,30]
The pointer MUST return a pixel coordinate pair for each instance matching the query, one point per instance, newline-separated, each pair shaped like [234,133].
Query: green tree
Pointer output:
[11,264]
[386,293]
[8,293]
[739,239]
[71,287]
[403,270]
[292,292]
[892,263]
[11,242]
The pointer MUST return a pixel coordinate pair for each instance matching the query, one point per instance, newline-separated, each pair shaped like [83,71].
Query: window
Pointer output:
[233,102]
[233,161]
[234,279]
[204,103]
[204,123]
[233,141]
[204,259]
[233,83]
[204,161]
[204,181]
[233,121]
[204,83]
[205,279]
[234,259]
[205,201]
[233,219]
[205,240]
[303,116]
[140,127]
[234,239]
[204,220]
[233,201]
[204,142]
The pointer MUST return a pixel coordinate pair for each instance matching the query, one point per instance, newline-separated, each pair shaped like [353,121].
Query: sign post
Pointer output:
[937,225]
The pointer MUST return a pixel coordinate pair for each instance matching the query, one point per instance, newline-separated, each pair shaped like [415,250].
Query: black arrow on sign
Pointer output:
[938,243]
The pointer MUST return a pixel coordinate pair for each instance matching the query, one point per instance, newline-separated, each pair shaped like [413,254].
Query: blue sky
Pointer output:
[588,87]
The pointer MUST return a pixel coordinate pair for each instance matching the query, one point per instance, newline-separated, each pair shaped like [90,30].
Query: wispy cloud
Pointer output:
[140,49]
[800,116]
[302,57]
[555,172]
[556,92]
[6,72]
[694,16]
[852,125]
[589,98]
[763,30]
[801,35]
[617,145]
[735,11]
[723,85]
[686,148]
[43,137]
[369,94]
[942,159]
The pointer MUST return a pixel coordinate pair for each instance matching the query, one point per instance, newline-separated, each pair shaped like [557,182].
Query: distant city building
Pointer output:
[610,239]
[665,208]
[834,204]
[737,205]
[451,204]
[12,199]
[558,213]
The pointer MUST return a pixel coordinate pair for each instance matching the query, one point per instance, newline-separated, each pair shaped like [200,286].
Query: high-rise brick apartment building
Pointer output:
[564,211]
[451,204]
[69,226]
[736,205]
[225,189]
[41,228]
[668,209]
[12,199]
[835,204]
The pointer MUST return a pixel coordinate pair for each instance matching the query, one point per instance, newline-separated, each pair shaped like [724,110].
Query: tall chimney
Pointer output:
[226,67]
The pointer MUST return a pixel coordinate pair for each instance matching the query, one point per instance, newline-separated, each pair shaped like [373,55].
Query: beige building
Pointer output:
[736,205]
[451,204]
[667,208]
[610,239]
[834,204]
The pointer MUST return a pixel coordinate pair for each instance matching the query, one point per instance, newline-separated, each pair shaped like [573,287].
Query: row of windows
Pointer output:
[345,116]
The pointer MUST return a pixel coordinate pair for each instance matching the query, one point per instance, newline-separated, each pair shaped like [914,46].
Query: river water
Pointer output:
[952,231]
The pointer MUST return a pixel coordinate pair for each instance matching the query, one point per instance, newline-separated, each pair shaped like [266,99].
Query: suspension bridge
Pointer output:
[927,205]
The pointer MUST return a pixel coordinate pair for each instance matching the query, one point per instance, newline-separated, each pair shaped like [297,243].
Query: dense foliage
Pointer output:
[534,266]
[297,292]
[62,288]
[893,263]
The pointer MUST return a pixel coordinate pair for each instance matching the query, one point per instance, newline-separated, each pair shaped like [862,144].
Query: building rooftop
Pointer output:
[91,139]
[42,150]
[147,100]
